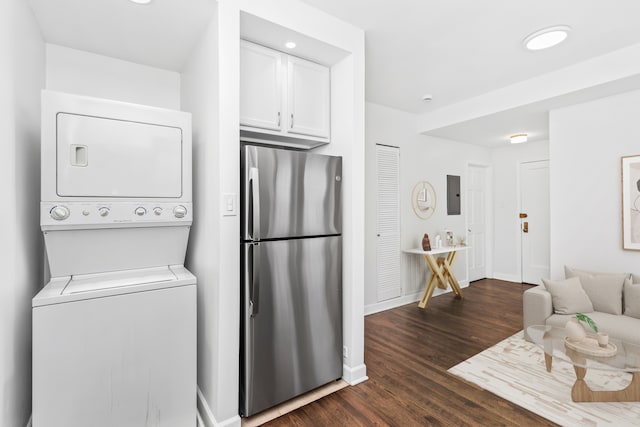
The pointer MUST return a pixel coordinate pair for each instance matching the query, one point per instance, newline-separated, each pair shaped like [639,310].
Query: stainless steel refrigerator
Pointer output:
[291,293]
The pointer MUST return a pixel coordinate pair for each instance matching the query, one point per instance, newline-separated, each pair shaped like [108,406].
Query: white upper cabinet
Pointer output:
[284,100]
[309,97]
[260,87]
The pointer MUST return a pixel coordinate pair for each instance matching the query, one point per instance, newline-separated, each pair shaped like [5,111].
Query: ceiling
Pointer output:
[161,34]
[459,49]
[453,50]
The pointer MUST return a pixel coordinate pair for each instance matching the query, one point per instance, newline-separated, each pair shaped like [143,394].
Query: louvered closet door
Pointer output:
[388,222]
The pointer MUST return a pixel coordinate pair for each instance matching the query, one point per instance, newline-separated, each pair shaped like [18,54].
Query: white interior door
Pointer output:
[476,221]
[534,218]
[388,222]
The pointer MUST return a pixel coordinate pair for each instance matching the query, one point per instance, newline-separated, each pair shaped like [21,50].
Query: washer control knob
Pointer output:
[140,211]
[179,211]
[103,211]
[59,213]
[157,211]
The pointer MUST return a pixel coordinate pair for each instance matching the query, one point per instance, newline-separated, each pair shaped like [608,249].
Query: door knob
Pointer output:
[525,227]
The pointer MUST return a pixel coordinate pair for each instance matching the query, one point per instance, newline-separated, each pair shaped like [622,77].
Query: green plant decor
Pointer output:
[589,321]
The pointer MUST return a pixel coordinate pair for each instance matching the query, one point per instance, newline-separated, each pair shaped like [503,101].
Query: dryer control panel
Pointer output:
[110,214]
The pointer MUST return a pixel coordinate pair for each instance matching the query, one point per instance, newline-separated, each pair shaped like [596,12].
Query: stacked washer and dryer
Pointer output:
[114,330]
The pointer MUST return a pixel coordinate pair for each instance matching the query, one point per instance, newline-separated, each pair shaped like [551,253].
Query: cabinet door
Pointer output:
[260,86]
[309,98]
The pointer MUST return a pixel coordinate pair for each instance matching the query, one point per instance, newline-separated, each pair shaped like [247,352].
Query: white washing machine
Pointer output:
[114,331]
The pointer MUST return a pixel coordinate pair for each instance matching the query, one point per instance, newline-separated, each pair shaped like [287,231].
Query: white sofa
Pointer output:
[613,302]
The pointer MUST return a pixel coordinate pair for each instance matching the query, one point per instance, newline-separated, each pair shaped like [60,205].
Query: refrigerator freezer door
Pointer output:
[293,342]
[289,194]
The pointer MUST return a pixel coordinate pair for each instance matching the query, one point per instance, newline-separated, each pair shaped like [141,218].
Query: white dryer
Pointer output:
[114,331]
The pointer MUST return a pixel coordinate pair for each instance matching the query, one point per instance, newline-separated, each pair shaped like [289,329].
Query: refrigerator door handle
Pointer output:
[254,186]
[254,290]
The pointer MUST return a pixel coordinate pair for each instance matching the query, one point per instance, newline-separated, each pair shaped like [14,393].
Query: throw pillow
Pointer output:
[604,289]
[631,299]
[567,296]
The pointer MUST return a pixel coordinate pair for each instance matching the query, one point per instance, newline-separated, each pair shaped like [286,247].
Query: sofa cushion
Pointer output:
[604,289]
[631,299]
[568,296]
[624,328]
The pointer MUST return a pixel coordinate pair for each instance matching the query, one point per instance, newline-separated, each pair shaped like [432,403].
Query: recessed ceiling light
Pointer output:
[518,138]
[427,97]
[140,1]
[290,45]
[547,37]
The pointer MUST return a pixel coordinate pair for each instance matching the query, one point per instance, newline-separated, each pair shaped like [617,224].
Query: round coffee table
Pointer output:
[627,359]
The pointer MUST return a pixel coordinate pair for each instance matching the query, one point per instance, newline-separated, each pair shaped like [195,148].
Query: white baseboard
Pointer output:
[507,277]
[355,375]
[208,420]
[391,303]
[406,299]
[30,422]
[234,421]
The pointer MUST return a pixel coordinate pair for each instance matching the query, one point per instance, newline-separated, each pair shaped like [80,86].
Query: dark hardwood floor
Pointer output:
[408,352]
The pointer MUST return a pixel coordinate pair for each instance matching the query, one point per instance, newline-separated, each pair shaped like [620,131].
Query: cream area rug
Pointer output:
[514,370]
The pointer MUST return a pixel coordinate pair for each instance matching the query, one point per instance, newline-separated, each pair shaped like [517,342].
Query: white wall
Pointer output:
[421,158]
[586,143]
[347,132]
[29,66]
[22,57]
[90,74]
[432,159]
[506,163]
[210,92]
[386,126]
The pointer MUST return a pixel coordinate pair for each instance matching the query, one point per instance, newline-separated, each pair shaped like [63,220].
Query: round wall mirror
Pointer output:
[423,199]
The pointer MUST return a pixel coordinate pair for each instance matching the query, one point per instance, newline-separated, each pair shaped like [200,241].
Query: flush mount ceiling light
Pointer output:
[518,138]
[290,45]
[140,1]
[427,97]
[547,37]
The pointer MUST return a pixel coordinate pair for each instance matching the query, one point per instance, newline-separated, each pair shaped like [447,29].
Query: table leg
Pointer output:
[436,278]
[548,360]
[441,276]
[428,291]
[440,262]
[548,352]
[451,278]
[435,269]
[582,393]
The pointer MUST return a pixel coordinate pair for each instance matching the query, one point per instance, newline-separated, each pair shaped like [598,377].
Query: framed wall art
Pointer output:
[631,202]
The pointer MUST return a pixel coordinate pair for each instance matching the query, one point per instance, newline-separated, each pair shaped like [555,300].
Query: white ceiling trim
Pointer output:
[617,65]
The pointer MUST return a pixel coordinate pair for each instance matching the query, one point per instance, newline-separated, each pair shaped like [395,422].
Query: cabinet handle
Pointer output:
[291,120]
[278,118]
